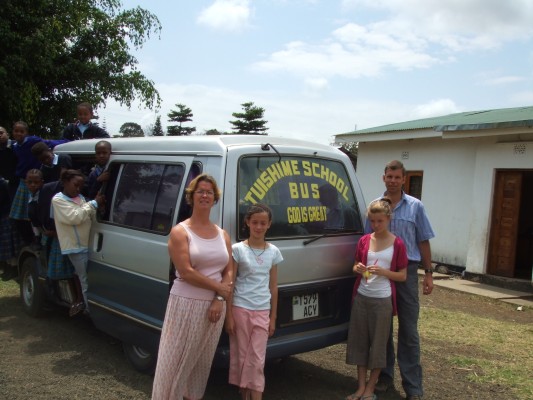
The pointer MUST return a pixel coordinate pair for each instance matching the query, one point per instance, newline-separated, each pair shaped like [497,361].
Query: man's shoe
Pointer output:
[383,385]
[414,397]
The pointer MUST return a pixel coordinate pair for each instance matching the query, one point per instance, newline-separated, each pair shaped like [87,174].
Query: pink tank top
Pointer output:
[209,257]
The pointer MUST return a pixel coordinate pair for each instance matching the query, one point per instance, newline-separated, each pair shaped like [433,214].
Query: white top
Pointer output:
[252,284]
[377,286]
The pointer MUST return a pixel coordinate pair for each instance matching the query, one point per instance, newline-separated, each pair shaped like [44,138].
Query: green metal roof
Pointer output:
[471,120]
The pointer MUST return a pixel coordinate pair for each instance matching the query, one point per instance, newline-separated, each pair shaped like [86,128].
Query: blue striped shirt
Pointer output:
[410,223]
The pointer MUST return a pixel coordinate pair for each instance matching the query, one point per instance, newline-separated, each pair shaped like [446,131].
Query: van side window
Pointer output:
[145,195]
[307,195]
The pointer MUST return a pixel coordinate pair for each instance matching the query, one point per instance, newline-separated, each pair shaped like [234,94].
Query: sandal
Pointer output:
[352,396]
[369,397]
[76,308]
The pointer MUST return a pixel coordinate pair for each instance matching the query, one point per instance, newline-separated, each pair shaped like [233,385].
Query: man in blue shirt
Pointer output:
[411,224]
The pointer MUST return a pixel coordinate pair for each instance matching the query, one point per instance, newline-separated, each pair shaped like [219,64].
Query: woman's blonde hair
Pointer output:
[189,192]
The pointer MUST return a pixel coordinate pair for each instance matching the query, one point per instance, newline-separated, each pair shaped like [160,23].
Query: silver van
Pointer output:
[317,219]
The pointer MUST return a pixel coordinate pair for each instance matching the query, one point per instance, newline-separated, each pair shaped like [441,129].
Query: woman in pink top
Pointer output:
[200,252]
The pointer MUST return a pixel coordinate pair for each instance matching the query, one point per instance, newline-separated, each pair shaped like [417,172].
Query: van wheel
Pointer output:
[142,360]
[31,291]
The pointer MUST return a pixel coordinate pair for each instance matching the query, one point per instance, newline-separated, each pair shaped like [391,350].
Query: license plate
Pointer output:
[305,306]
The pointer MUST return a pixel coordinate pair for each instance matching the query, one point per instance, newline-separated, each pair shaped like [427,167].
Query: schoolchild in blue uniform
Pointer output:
[98,174]
[52,165]
[26,161]
[34,182]
[84,128]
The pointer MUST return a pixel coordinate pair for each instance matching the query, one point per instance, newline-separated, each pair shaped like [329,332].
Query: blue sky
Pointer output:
[320,68]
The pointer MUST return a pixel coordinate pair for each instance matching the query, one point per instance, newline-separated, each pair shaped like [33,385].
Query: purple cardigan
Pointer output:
[399,261]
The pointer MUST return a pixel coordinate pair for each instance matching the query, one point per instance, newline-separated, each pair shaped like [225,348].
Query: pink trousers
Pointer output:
[248,348]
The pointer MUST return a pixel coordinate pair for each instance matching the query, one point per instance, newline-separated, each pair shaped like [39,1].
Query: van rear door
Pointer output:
[317,220]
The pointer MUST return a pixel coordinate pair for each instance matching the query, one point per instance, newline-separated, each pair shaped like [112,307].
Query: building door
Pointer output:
[504,226]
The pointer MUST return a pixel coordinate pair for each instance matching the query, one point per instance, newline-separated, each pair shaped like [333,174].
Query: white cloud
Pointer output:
[495,78]
[458,24]
[316,84]
[504,80]
[406,35]
[434,108]
[353,52]
[314,119]
[227,15]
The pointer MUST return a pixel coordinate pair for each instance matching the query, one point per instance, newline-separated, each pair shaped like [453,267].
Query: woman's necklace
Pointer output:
[258,258]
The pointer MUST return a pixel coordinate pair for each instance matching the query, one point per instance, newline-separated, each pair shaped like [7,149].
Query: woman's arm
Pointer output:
[230,322]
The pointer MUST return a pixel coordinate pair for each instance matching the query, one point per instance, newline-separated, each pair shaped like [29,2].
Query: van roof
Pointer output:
[207,144]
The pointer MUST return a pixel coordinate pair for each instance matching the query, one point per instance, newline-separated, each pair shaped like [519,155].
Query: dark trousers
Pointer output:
[408,338]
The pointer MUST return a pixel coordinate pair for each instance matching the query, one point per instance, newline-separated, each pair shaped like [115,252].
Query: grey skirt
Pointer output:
[369,330]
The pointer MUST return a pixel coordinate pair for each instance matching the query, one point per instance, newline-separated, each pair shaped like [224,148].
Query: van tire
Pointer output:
[31,291]
[142,360]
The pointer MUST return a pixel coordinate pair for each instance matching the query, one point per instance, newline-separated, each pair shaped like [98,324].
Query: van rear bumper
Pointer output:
[296,343]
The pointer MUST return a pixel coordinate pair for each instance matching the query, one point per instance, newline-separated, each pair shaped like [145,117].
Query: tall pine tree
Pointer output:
[157,130]
[182,115]
[250,121]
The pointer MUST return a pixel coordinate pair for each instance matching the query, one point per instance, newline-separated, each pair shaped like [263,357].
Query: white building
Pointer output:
[474,173]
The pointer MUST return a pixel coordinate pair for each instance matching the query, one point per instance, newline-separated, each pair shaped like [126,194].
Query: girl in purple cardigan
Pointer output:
[380,261]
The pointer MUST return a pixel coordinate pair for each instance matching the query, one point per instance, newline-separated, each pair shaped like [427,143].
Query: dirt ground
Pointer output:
[57,357]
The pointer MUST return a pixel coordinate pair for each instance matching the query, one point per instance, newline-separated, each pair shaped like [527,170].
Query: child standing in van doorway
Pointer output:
[73,218]
[34,181]
[252,310]
[84,128]
[98,174]
[380,260]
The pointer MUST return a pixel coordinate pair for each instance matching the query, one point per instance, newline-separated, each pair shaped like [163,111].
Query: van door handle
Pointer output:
[99,241]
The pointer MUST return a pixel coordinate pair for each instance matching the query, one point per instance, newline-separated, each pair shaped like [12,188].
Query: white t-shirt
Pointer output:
[252,284]
[377,286]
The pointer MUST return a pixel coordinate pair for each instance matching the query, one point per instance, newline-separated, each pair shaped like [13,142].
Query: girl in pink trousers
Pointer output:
[251,314]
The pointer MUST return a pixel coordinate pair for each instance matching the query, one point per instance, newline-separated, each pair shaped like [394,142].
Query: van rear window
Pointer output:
[308,196]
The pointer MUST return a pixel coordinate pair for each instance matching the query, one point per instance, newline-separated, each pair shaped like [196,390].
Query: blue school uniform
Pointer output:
[26,161]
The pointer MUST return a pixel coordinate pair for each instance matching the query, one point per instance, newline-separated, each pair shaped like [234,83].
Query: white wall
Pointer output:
[457,188]
[446,190]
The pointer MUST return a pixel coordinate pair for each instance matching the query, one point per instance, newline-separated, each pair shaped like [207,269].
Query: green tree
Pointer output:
[55,54]
[250,121]
[351,149]
[213,132]
[131,129]
[158,129]
[182,115]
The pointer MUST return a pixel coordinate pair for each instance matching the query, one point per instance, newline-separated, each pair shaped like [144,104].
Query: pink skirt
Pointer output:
[186,351]
[248,348]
